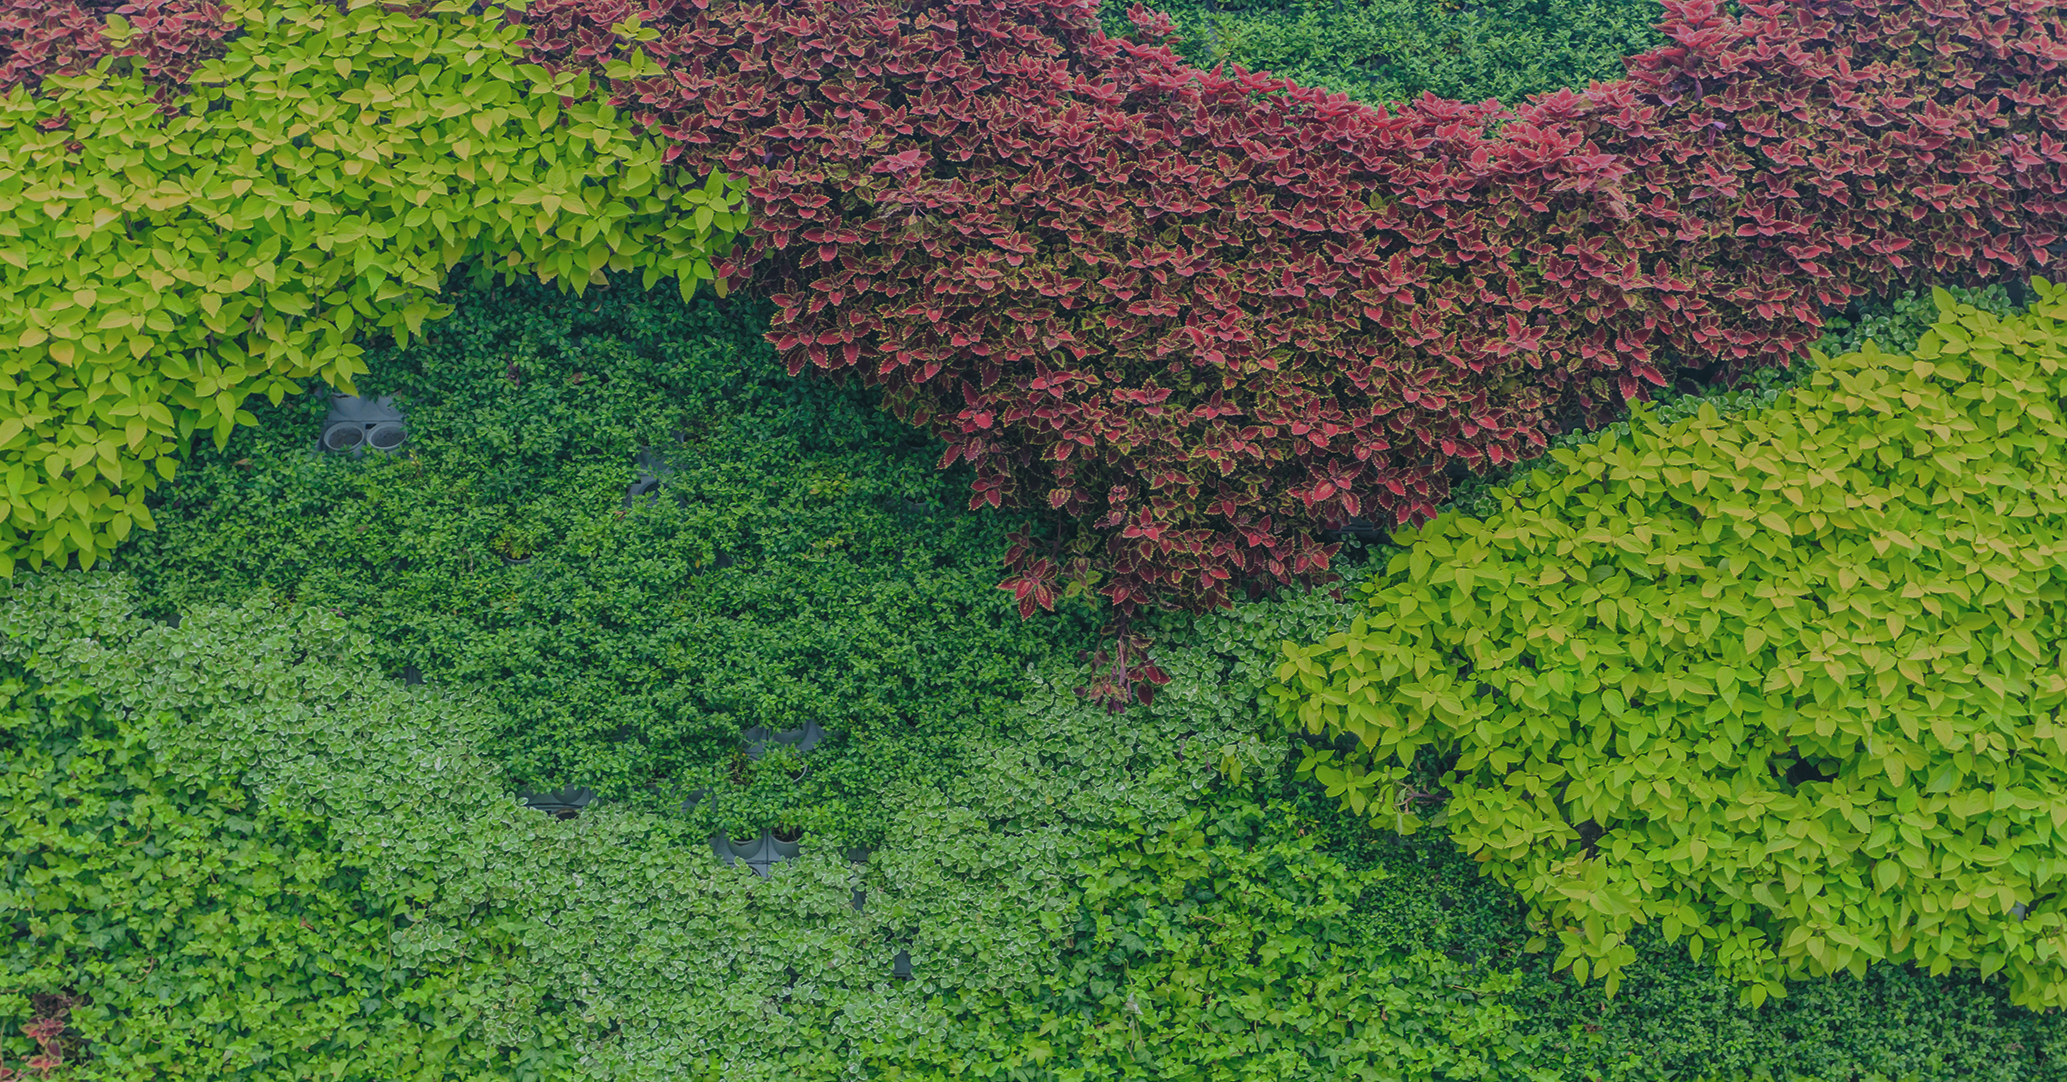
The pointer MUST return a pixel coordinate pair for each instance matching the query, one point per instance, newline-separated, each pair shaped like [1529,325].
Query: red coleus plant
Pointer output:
[1202,316]
[168,38]
[47,1029]
[1122,673]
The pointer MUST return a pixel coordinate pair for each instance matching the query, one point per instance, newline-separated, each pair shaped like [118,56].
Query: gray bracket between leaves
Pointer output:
[1362,530]
[802,738]
[858,855]
[654,470]
[900,966]
[564,803]
[760,854]
[357,425]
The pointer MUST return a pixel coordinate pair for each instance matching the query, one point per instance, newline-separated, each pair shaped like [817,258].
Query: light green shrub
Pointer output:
[158,267]
[1787,687]
[1894,323]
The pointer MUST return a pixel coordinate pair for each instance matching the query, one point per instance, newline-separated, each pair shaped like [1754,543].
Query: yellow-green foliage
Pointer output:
[322,179]
[1868,581]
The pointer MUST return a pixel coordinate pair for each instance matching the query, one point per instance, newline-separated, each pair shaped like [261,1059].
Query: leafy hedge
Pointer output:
[805,560]
[1780,687]
[615,945]
[1198,316]
[1073,861]
[211,934]
[162,261]
[1388,51]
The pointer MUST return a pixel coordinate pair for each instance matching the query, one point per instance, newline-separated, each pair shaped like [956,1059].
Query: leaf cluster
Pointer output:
[162,263]
[1894,323]
[162,40]
[803,561]
[1194,317]
[214,936]
[1781,687]
[1074,861]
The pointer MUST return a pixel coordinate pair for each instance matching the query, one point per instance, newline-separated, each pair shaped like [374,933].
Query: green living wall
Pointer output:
[244,843]
[1073,888]
[1090,896]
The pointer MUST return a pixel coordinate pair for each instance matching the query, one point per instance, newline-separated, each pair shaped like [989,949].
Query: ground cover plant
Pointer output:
[1074,902]
[802,561]
[615,945]
[1390,51]
[1826,741]
[219,918]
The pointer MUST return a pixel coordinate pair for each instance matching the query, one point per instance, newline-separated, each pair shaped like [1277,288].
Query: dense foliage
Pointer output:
[1380,51]
[1198,316]
[162,263]
[1075,861]
[804,560]
[161,40]
[241,842]
[1892,323]
[1195,317]
[213,936]
[614,945]
[1895,324]
[1780,686]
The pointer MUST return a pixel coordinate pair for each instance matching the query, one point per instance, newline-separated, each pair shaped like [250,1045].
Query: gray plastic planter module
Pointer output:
[857,855]
[563,803]
[803,738]
[760,854]
[756,740]
[357,425]
[654,470]
[1362,530]
[900,966]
